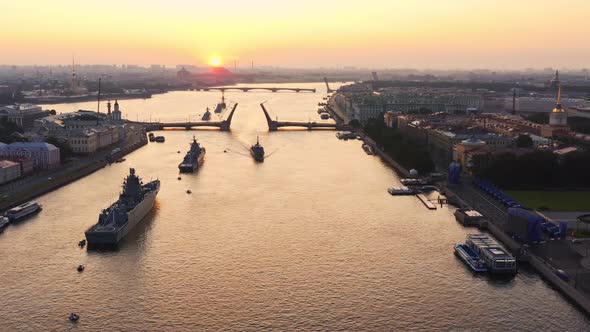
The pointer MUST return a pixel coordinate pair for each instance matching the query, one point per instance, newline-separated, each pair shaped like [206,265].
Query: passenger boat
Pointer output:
[23,210]
[470,258]
[496,258]
[400,191]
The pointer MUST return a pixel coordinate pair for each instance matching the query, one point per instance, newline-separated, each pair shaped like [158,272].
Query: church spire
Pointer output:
[558,97]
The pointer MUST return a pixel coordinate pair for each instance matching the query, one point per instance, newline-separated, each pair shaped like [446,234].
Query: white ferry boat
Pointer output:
[23,210]
[496,258]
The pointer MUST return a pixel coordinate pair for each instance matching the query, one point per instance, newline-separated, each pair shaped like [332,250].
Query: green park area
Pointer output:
[553,200]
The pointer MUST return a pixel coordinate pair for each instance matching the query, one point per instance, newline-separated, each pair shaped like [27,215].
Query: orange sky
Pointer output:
[303,33]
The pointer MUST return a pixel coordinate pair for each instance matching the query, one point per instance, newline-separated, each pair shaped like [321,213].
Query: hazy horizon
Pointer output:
[423,34]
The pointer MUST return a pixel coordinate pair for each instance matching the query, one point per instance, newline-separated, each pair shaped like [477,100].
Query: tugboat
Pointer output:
[136,200]
[257,151]
[221,106]
[193,158]
[206,115]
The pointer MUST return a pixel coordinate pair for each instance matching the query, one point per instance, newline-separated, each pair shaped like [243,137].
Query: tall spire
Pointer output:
[74,77]
[558,96]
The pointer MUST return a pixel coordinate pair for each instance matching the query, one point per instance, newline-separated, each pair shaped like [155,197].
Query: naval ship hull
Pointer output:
[114,236]
[191,167]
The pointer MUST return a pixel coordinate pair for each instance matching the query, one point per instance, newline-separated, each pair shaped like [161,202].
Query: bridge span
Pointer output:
[274,125]
[246,88]
[223,125]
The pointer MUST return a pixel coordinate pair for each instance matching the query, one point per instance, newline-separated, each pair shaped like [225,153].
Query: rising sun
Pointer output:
[215,61]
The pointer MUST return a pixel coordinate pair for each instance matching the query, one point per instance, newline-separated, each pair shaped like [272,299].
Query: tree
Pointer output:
[65,150]
[524,141]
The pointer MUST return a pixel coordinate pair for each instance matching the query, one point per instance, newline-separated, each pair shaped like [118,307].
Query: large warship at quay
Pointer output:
[114,222]
[193,158]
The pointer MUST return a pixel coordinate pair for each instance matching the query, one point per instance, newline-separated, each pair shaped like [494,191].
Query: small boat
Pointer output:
[179,178]
[368,149]
[82,243]
[414,182]
[80,268]
[224,151]
[160,139]
[470,258]
[4,221]
[151,137]
[324,116]
[427,188]
[120,160]
[188,192]
[400,191]
[73,317]
[178,151]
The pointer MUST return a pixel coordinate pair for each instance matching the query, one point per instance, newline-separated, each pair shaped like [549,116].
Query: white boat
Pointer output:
[496,257]
[400,191]
[23,210]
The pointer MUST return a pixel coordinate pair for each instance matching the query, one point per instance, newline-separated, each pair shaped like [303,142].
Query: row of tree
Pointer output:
[534,170]
[407,153]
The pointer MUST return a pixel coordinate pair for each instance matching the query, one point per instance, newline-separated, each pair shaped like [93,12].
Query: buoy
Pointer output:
[74,317]
[188,191]
[178,152]
[179,178]
[80,268]
[224,151]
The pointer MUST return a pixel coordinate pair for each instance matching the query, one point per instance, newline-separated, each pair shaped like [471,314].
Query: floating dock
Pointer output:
[426,201]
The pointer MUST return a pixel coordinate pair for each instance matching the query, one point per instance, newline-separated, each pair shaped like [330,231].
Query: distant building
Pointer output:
[22,114]
[183,74]
[44,155]
[9,170]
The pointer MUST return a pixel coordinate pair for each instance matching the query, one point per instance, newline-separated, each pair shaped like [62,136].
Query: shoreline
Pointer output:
[546,271]
[64,179]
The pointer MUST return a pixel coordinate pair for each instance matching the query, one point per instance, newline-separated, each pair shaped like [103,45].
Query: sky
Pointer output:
[438,34]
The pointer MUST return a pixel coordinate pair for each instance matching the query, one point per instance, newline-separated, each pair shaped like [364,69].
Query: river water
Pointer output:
[308,240]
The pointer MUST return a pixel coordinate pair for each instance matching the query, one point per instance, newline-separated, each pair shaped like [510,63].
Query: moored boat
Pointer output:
[496,258]
[4,221]
[397,191]
[470,258]
[23,210]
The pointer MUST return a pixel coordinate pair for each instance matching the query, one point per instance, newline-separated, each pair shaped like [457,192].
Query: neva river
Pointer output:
[308,240]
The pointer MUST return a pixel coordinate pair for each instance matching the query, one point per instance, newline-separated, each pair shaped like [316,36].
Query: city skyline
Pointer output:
[455,34]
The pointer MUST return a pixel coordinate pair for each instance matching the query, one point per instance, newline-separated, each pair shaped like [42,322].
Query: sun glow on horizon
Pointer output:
[215,61]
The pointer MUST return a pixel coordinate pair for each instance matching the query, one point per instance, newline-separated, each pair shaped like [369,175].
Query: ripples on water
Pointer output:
[307,240]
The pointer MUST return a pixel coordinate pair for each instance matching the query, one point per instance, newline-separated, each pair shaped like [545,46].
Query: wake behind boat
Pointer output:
[193,158]
[136,200]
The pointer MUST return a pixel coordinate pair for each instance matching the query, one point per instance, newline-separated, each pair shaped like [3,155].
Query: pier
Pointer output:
[426,201]
[274,125]
[223,125]
[247,88]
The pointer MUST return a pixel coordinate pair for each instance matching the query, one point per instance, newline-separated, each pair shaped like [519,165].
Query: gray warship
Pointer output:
[114,222]
[193,158]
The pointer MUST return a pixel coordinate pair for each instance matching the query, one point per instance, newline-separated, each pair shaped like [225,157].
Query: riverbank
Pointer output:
[60,179]
[523,254]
